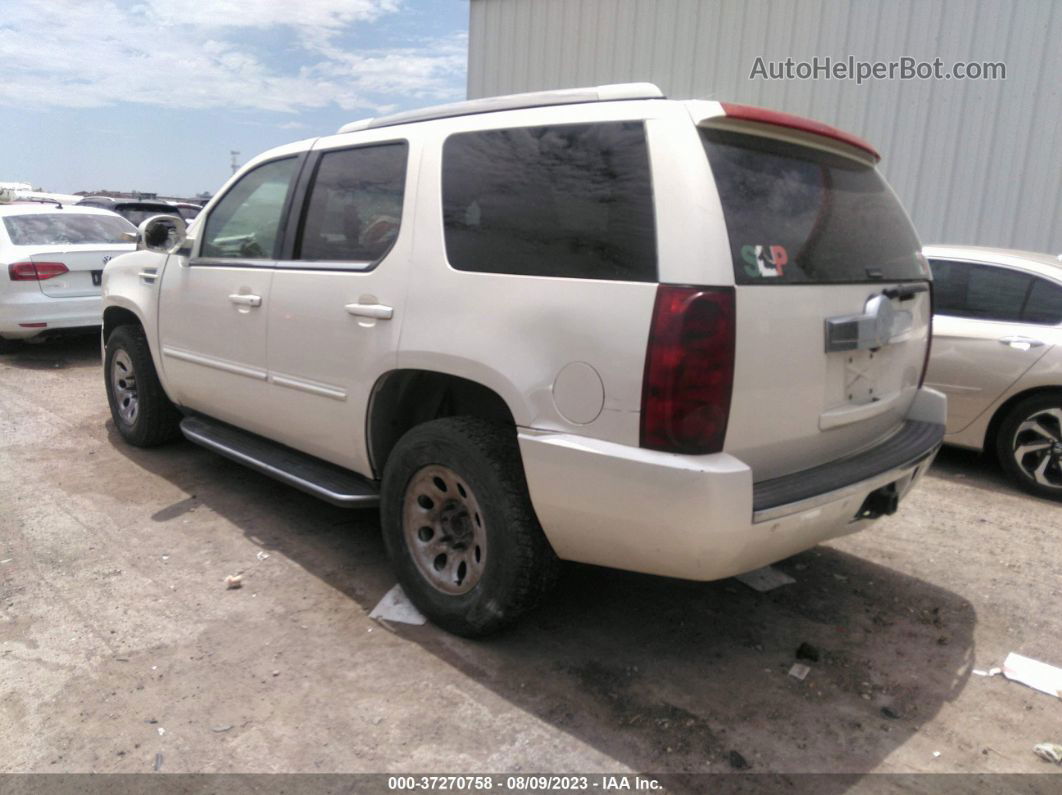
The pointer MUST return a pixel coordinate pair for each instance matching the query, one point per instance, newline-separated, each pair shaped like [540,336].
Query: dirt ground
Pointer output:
[121,649]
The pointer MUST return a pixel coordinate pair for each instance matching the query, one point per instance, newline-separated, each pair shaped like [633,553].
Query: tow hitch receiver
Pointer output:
[880,502]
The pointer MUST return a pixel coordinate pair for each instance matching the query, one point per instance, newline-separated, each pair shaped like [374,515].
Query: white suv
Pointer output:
[684,338]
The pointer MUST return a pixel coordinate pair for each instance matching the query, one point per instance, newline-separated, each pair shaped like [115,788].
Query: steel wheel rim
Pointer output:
[123,384]
[1037,447]
[444,530]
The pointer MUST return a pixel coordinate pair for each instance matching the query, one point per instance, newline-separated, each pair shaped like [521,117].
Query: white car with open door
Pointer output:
[684,338]
[51,262]
[997,354]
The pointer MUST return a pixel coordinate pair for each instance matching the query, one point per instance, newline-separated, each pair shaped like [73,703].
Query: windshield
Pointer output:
[48,229]
[801,215]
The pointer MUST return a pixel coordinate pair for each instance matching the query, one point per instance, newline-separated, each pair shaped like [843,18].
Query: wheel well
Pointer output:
[115,316]
[1003,410]
[405,398]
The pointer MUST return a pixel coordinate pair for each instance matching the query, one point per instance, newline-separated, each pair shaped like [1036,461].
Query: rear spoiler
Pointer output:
[762,120]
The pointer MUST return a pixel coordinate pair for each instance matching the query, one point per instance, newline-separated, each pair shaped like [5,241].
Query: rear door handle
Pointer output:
[1021,343]
[246,300]
[378,311]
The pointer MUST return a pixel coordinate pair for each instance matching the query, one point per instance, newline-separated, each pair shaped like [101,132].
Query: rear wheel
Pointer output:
[142,413]
[459,526]
[1029,444]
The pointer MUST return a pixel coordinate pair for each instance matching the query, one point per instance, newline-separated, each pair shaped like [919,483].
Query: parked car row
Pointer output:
[53,256]
[495,321]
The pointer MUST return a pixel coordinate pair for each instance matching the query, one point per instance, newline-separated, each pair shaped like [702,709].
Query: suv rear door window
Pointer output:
[800,215]
[246,222]
[568,200]
[354,206]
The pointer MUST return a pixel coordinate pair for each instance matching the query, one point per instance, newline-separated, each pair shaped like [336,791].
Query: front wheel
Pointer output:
[1029,444]
[459,526]
[142,413]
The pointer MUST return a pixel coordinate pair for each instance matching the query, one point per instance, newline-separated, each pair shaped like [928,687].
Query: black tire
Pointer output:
[518,566]
[153,419]
[9,346]
[1043,458]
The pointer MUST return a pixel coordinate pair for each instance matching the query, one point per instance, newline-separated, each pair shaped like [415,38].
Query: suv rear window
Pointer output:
[49,229]
[569,200]
[797,215]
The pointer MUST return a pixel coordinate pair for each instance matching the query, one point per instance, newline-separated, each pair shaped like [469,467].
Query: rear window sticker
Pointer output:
[764,261]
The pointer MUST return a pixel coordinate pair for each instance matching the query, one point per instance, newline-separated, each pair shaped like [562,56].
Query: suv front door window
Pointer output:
[246,223]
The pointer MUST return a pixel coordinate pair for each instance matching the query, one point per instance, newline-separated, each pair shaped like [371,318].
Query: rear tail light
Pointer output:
[689,370]
[929,339]
[35,271]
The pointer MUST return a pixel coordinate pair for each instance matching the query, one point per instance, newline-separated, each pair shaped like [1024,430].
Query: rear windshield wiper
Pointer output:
[905,292]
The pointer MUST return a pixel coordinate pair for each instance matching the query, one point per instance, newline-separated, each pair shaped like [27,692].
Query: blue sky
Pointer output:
[151,95]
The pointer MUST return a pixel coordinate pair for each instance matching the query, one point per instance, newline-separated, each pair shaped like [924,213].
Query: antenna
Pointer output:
[235,163]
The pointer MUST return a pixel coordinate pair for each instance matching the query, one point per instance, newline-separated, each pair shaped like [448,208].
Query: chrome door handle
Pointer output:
[148,277]
[246,300]
[1021,343]
[378,311]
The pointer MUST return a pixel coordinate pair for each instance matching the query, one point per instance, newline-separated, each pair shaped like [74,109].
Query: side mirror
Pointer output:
[161,233]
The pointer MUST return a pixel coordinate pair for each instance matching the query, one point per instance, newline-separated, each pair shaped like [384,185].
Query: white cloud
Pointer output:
[70,53]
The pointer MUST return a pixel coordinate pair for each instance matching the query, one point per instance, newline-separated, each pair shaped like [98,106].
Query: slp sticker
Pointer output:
[764,261]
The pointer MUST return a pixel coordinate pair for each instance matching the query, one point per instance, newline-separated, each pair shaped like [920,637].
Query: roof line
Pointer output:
[566,96]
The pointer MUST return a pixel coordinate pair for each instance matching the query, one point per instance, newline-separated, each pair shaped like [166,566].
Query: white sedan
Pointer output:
[51,264]
[997,353]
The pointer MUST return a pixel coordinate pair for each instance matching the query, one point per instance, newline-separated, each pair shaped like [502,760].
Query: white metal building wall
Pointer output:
[977,162]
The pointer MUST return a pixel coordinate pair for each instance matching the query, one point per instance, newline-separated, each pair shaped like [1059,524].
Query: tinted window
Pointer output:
[246,221]
[47,229]
[979,291]
[136,214]
[949,286]
[355,205]
[573,200]
[799,215]
[995,293]
[1044,304]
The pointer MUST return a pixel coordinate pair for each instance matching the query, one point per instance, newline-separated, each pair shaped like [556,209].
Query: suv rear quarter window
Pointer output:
[567,200]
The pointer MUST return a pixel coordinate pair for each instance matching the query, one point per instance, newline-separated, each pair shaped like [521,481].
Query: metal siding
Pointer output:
[974,162]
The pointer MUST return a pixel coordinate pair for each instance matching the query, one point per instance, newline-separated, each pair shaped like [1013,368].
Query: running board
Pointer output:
[329,482]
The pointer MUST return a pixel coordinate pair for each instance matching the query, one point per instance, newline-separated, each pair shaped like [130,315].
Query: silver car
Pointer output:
[997,353]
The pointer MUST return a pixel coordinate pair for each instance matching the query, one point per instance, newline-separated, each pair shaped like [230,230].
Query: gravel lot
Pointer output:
[119,641]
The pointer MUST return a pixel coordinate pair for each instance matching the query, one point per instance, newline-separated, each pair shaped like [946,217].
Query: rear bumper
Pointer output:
[702,517]
[58,313]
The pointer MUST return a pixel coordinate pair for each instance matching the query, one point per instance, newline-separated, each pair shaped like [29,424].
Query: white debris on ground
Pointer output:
[395,606]
[1038,675]
[765,579]
[1051,752]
